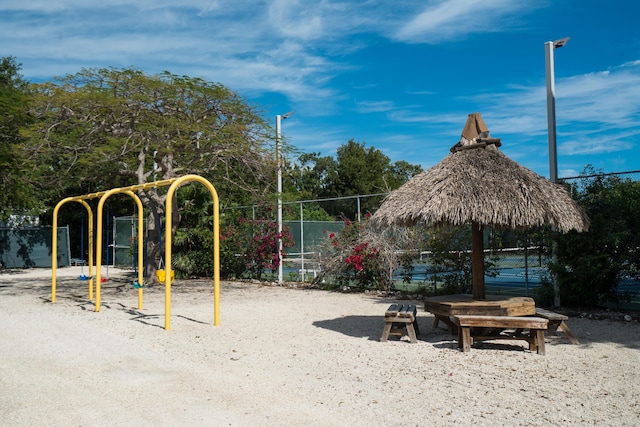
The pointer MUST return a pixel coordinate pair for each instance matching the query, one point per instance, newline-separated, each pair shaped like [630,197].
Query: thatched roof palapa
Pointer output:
[482,186]
[476,183]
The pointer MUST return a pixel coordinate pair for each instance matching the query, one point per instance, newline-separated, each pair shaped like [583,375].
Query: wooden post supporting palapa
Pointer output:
[477,261]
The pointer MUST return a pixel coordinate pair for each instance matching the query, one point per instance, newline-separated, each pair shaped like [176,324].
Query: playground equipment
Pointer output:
[98,277]
[168,278]
[84,277]
[103,199]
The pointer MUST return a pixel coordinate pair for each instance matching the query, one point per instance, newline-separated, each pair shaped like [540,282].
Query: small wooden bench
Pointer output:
[557,321]
[401,320]
[535,325]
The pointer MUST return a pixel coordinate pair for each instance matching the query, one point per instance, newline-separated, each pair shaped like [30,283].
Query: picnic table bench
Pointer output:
[492,327]
[557,321]
[400,320]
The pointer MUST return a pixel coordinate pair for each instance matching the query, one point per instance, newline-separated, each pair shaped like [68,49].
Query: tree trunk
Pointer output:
[477,263]
[155,250]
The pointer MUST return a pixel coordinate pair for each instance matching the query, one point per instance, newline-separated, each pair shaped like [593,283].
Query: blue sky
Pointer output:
[399,75]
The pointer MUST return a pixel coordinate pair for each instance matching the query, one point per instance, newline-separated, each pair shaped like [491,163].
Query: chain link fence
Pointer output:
[519,258]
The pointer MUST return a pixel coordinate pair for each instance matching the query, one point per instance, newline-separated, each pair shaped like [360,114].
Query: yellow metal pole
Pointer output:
[92,249]
[54,247]
[216,256]
[168,211]
[89,243]
[140,252]
[103,198]
[140,243]
[168,244]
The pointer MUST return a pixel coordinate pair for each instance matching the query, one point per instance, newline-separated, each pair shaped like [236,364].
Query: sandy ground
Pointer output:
[286,357]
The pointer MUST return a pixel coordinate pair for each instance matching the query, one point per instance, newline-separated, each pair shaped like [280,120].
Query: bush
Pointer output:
[251,246]
[588,266]
[357,257]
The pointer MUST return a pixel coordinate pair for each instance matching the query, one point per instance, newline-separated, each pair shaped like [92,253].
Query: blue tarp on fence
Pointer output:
[28,247]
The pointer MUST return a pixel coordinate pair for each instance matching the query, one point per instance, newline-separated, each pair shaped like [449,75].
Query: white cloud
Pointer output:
[374,106]
[454,19]
[299,50]
[591,105]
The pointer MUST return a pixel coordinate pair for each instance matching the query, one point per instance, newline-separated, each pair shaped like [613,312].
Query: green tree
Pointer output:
[589,266]
[17,193]
[105,128]
[356,170]
[311,175]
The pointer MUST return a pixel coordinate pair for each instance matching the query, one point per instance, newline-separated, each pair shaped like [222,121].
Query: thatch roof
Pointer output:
[478,183]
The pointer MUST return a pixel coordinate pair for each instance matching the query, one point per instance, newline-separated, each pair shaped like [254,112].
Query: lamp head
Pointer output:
[284,116]
[560,42]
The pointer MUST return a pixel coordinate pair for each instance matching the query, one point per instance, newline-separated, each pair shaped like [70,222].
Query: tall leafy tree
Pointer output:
[356,170]
[16,193]
[589,266]
[105,128]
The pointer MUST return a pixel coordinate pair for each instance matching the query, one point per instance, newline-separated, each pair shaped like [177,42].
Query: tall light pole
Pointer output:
[551,105]
[549,47]
[279,119]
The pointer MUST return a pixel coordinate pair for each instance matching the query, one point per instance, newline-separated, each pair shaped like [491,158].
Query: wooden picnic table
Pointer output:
[444,307]
[493,314]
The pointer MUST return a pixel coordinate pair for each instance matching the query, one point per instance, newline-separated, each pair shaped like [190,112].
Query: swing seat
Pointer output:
[103,279]
[136,284]
[84,278]
[161,275]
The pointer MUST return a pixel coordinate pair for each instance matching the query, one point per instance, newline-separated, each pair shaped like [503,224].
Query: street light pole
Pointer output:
[279,119]
[551,123]
[551,104]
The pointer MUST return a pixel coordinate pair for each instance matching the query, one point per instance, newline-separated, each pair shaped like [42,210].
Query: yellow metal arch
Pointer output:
[100,209]
[54,243]
[104,195]
[54,240]
[216,248]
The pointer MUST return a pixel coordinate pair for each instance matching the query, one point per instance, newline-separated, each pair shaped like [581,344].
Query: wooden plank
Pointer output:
[557,321]
[386,331]
[412,333]
[541,312]
[492,305]
[568,333]
[408,310]
[465,341]
[539,341]
[502,322]
[392,310]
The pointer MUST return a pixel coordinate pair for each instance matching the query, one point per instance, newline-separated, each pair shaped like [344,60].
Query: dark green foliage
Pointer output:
[406,267]
[544,293]
[251,247]
[193,241]
[17,192]
[105,128]
[589,266]
[356,170]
